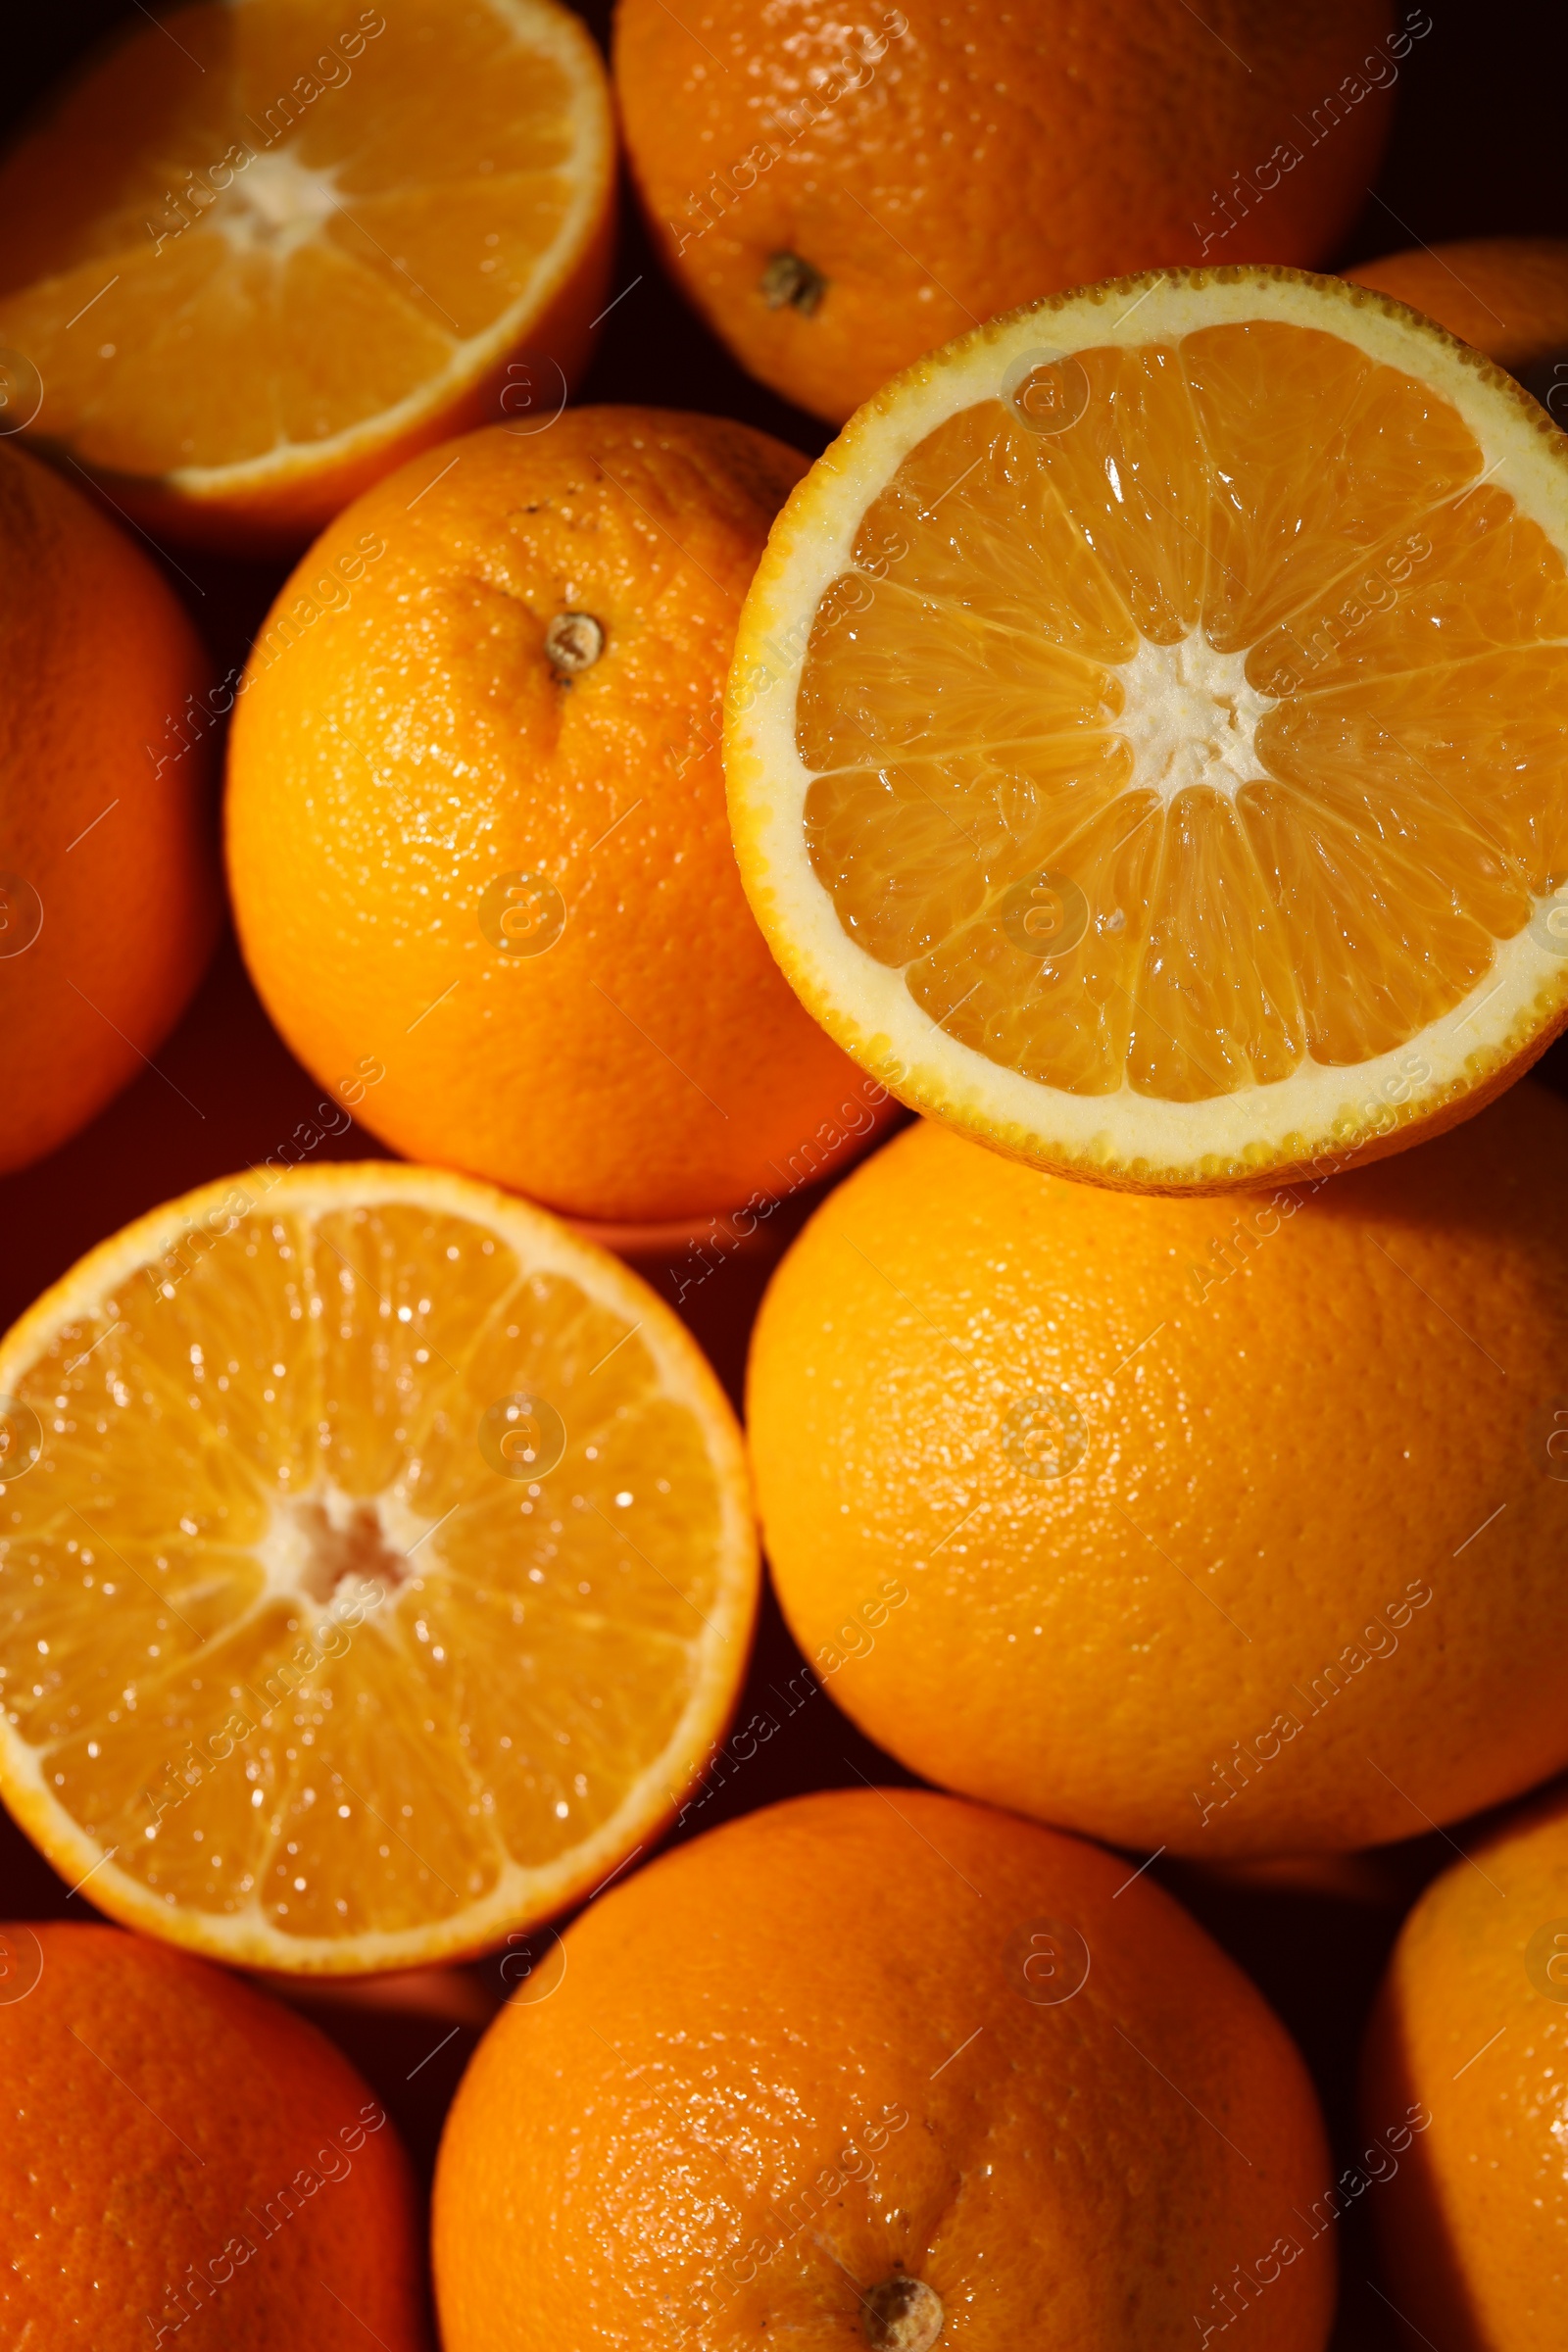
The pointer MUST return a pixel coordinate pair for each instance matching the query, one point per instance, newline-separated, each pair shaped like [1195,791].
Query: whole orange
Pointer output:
[108,897]
[1508,296]
[1469,2045]
[887,2069]
[838,195]
[476,829]
[1234,1527]
[185,2161]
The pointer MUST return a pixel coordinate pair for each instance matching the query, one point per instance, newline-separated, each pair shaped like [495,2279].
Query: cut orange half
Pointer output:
[1148,733]
[260,255]
[376,1568]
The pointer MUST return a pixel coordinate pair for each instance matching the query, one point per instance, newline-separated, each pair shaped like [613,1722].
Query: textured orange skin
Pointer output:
[738,2023]
[113,2187]
[1508,296]
[414,742]
[986,158]
[1473,2230]
[97,660]
[1262,1473]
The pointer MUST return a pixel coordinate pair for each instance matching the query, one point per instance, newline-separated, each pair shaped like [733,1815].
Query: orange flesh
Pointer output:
[526,1648]
[1400,632]
[239,307]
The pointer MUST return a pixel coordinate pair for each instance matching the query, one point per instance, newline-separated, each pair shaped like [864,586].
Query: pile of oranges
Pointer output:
[1134,746]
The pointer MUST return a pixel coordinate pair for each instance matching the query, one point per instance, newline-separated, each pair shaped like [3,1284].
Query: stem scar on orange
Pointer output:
[882,2069]
[476,821]
[837,196]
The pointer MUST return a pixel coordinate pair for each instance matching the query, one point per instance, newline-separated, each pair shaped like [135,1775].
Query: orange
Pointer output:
[838,195]
[884,2068]
[109,901]
[185,2162]
[1228,1527]
[1469,2042]
[379,1568]
[477,822]
[1508,296]
[256,256]
[1144,734]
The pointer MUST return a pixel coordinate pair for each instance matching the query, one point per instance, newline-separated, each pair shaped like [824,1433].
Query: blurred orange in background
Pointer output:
[109,891]
[255,256]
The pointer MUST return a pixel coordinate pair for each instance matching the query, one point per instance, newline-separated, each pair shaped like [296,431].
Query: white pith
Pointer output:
[866,1005]
[1188,717]
[290,1555]
[522,1893]
[277,205]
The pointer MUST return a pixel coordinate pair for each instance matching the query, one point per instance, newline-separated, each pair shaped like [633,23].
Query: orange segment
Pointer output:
[1237,636]
[300,1657]
[1217,1002]
[419,245]
[930,678]
[1041,577]
[1128,467]
[1315,453]
[303,246]
[1495,753]
[1383,951]
[990,987]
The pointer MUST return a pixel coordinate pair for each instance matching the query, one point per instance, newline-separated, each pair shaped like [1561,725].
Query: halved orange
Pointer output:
[376,1568]
[1148,733]
[259,255]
